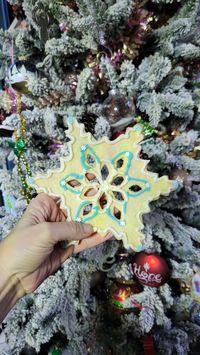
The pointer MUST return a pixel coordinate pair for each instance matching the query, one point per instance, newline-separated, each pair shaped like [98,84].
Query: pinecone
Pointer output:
[52,99]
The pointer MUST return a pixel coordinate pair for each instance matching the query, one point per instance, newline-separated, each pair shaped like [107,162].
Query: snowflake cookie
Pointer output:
[105,183]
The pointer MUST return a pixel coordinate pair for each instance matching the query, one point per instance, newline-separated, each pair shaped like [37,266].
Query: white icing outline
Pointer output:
[119,236]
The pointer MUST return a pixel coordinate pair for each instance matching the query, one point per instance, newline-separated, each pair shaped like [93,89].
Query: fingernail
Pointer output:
[88,229]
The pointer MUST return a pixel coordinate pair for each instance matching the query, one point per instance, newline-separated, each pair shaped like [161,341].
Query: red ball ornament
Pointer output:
[150,269]
[117,134]
[122,300]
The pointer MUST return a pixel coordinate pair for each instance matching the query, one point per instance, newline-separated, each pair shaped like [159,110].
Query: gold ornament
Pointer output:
[185,286]
[130,50]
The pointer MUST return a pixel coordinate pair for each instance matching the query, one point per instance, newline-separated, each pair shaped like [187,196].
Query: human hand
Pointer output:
[31,252]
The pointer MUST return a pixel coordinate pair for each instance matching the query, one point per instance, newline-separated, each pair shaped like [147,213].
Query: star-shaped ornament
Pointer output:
[105,183]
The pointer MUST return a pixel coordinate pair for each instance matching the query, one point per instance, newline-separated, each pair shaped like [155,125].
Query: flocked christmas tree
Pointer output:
[109,64]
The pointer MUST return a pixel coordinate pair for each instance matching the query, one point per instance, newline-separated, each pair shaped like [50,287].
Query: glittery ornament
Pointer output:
[181,175]
[122,298]
[117,110]
[195,313]
[19,74]
[148,130]
[130,50]
[150,269]
[12,101]
[117,58]
[117,178]
[134,33]
[53,98]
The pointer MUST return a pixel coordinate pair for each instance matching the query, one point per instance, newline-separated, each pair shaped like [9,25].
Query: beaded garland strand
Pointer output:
[19,148]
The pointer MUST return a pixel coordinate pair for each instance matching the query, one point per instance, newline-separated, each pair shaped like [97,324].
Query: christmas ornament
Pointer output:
[2,115]
[194,153]
[150,269]
[148,344]
[130,50]
[184,286]
[117,110]
[117,134]
[122,298]
[117,58]
[19,74]
[13,102]
[106,183]
[71,79]
[134,33]
[195,313]
[18,12]
[195,287]
[122,254]
[148,130]
[54,145]
[63,27]
[97,278]
[181,175]
[53,98]
[55,351]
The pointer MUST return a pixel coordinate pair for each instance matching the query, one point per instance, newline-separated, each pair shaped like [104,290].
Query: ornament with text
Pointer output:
[150,270]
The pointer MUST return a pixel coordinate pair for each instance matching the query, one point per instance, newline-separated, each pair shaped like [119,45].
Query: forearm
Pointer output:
[10,293]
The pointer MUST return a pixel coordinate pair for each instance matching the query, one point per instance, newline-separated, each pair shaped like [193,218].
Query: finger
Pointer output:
[91,242]
[44,208]
[60,231]
[57,199]
[59,256]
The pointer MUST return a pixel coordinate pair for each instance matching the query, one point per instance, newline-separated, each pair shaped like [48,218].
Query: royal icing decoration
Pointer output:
[105,183]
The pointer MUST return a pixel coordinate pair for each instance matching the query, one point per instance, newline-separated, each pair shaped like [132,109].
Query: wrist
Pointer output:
[10,293]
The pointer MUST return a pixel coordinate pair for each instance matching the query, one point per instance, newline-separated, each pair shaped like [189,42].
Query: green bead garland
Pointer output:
[19,148]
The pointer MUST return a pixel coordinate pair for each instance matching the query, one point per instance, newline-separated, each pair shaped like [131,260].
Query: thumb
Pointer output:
[63,231]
